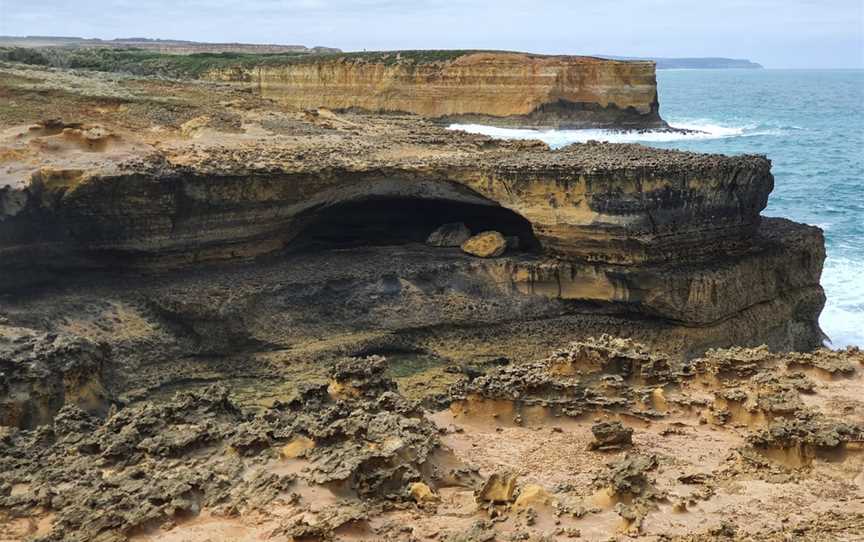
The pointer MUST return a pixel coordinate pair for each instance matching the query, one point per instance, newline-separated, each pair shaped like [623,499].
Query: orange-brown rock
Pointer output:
[498,87]
[487,244]
[305,234]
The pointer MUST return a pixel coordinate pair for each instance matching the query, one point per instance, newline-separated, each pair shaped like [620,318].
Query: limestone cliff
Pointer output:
[248,239]
[491,87]
[221,318]
[662,234]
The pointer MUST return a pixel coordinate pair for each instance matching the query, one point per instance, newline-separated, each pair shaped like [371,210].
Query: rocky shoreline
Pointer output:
[224,317]
[353,458]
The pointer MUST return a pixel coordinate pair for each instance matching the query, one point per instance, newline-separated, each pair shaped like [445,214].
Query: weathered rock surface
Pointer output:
[672,238]
[449,235]
[378,467]
[579,378]
[154,463]
[492,87]
[610,436]
[127,241]
[487,244]
[498,489]
[41,372]
[127,224]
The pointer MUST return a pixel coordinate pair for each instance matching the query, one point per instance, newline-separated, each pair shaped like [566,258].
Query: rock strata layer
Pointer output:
[247,229]
[513,89]
[374,387]
[660,234]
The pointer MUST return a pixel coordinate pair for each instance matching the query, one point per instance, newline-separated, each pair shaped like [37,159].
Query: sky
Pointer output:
[775,33]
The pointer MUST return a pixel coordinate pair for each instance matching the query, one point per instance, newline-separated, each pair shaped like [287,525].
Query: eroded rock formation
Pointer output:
[376,384]
[351,456]
[660,234]
[41,372]
[502,88]
[239,229]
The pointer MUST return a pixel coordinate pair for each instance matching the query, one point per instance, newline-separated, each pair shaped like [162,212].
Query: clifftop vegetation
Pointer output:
[182,66]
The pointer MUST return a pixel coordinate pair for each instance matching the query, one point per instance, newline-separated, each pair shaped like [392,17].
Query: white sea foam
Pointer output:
[559,138]
[843,317]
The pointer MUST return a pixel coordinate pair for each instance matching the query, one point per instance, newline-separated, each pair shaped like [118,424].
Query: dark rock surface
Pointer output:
[449,235]
[611,436]
[41,372]
[156,462]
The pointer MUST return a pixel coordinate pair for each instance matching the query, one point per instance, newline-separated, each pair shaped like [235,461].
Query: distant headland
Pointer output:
[700,63]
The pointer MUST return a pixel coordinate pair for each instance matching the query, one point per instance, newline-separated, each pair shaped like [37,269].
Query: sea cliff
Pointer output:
[495,87]
[226,318]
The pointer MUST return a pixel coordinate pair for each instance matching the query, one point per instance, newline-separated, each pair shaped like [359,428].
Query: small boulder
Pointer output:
[449,235]
[489,244]
[421,493]
[499,489]
[297,447]
[610,436]
[533,496]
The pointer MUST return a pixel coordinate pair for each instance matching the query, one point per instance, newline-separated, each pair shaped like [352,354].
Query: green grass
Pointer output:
[152,63]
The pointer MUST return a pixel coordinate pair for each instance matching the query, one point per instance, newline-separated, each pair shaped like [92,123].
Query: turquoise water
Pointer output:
[810,123]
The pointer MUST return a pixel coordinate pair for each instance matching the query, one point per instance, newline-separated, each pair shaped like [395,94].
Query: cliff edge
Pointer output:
[492,87]
[507,89]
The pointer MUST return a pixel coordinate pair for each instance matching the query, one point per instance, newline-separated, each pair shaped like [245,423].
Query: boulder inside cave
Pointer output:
[379,221]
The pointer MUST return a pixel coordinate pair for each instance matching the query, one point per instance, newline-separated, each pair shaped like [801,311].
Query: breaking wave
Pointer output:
[700,130]
[843,317]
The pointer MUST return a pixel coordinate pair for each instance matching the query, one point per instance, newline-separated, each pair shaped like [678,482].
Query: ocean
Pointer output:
[810,123]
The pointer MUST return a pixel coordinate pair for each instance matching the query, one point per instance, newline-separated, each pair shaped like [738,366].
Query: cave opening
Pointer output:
[378,221]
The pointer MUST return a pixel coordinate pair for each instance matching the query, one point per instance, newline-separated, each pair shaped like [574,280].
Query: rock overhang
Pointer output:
[640,230]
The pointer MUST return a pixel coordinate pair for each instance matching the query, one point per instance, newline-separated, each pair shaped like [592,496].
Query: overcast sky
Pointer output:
[776,33]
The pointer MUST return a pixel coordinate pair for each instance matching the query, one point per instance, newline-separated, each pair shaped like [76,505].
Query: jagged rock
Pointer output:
[498,489]
[557,382]
[611,355]
[738,361]
[170,457]
[833,362]
[488,244]
[40,372]
[780,394]
[367,435]
[353,378]
[449,235]
[628,475]
[806,430]
[300,531]
[63,466]
[480,531]
[610,436]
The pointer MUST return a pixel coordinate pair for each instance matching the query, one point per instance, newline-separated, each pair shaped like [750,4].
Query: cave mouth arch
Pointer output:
[394,220]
